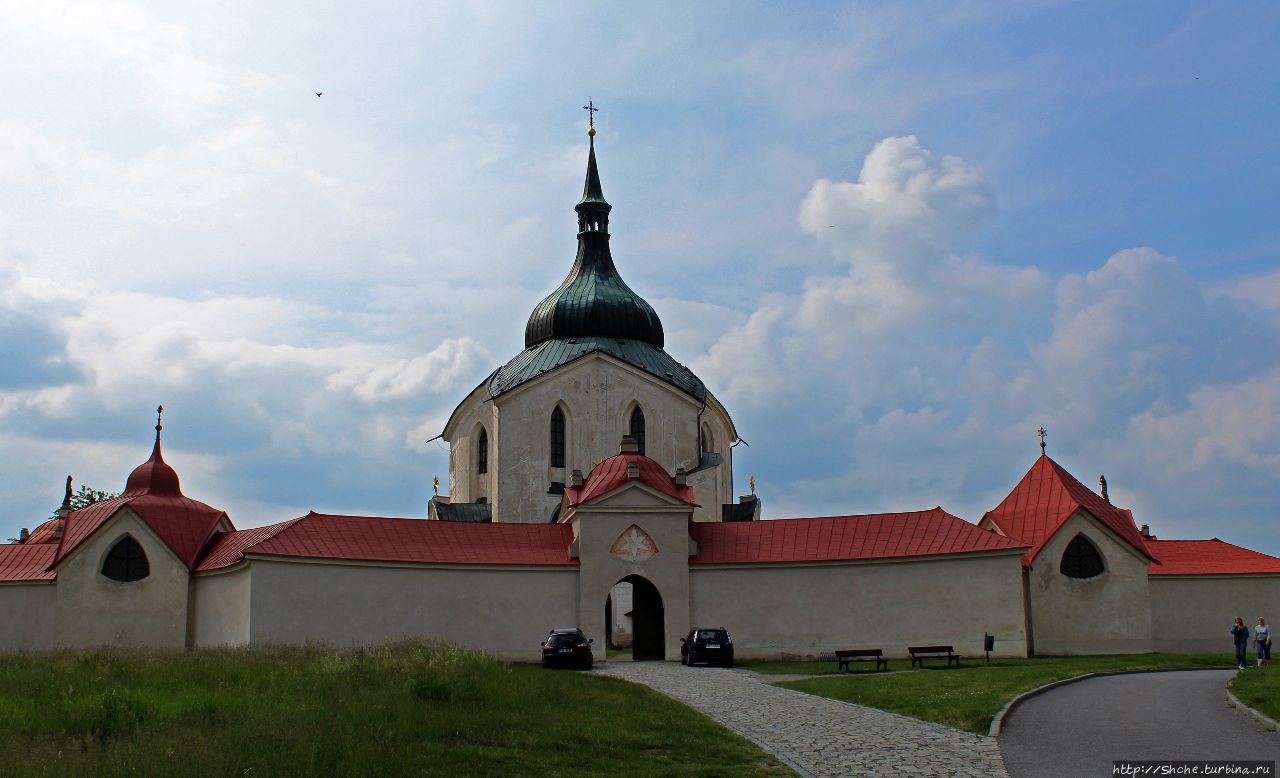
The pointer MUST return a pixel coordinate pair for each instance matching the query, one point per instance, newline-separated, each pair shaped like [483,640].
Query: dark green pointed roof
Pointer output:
[592,192]
[593,301]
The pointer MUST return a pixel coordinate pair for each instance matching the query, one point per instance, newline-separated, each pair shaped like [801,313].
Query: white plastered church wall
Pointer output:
[1193,613]
[713,487]
[95,611]
[474,411]
[1107,614]
[622,628]
[597,394]
[777,611]
[27,616]
[220,608]
[505,611]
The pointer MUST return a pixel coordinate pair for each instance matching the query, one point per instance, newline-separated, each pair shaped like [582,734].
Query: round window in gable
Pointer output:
[1081,559]
[127,562]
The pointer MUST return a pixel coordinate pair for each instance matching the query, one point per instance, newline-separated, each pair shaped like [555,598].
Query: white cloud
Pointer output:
[920,375]
[164,183]
[1260,289]
[438,372]
[241,389]
[1137,331]
[1230,424]
[897,227]
[902,196]
[177,83]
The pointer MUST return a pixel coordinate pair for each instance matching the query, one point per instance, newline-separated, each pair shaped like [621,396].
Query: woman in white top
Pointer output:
[1262,642]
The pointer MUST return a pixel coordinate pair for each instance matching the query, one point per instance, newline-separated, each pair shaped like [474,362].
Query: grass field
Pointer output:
[967,697]
[1260,688]
[398,710]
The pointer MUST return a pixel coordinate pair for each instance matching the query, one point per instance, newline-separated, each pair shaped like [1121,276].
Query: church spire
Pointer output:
[593,301]
[591,189]
[593,209]
[154,476]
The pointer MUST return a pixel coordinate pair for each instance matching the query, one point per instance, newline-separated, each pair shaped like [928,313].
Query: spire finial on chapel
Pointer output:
[1043,433]
[592,192]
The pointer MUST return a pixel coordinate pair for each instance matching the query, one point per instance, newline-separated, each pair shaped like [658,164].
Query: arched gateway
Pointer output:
[630,521]
[648,620]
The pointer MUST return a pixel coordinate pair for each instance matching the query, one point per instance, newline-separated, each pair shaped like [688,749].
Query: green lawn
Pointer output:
[398,710]
[1260,688]
[967,697]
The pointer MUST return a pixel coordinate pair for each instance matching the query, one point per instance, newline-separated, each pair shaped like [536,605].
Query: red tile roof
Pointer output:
[182,523]
[842,538]
[1045,498]
[46,532]
[1208,557]
[227,548]
[325,536]
[153,492]
[612,473]
[26,562]
[154,476]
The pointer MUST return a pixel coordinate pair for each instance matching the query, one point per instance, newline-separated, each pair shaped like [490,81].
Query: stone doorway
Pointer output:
[648,620]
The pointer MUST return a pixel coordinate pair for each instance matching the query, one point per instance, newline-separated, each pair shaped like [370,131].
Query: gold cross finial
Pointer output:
[752,481]
[591,110]
[1043,433]
[435,485]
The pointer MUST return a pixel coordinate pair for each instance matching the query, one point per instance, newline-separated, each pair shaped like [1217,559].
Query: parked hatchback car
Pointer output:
[567,647]
[708,645]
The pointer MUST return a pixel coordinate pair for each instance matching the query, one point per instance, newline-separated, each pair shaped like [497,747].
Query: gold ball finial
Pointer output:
[591,131]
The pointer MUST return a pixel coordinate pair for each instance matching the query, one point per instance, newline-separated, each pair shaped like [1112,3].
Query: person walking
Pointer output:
[1240,633]
[1262,642]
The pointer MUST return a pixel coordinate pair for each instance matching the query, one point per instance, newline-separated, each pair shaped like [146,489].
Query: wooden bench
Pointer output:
[845,656]
[921,653]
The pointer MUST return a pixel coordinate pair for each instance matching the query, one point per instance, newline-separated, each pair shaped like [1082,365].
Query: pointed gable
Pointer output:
[227,548]
[153,491]
[1045,498]
[612,474]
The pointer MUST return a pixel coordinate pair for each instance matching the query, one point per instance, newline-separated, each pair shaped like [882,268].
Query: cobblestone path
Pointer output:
[814,735]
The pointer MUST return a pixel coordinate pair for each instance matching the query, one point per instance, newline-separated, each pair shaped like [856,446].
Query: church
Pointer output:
[591,485]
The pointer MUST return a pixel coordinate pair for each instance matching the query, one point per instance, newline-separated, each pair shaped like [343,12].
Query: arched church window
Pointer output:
[557,437]
[126,562]
[708,444]
[482,451]
[637,428]
[1081,559]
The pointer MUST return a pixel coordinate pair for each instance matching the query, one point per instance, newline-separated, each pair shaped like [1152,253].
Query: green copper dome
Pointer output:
[593,301]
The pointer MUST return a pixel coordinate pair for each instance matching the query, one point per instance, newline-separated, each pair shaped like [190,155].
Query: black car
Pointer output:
[567,648]
[709,645]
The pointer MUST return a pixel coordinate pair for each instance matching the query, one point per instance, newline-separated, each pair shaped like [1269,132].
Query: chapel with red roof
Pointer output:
[591,485]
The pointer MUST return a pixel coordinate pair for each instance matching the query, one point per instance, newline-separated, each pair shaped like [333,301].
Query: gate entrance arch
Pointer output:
[648,620]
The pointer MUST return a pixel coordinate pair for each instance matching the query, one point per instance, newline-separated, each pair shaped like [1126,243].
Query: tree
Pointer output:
[86,496]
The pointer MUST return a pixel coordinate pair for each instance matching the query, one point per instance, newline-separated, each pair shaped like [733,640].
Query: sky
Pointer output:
[893,238]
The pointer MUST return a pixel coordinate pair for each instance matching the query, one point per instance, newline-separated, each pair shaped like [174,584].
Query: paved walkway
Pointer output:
[814,735]
[1081,728]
